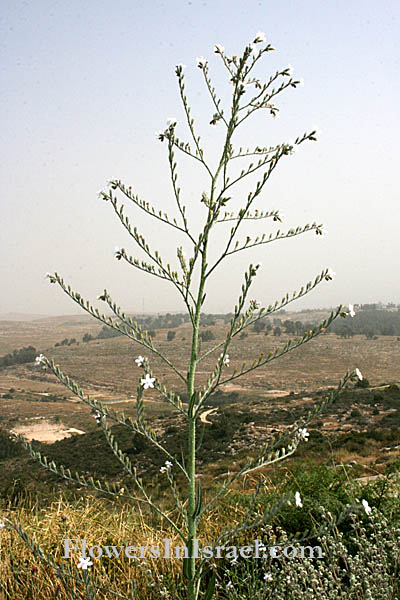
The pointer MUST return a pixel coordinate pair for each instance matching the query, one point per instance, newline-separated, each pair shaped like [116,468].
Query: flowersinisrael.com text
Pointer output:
[168,550]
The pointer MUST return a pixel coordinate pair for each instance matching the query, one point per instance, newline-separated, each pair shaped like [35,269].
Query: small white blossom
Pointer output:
[351,310]
[201,61]
[225,359]
[366,506]
[268,577]
[2,525]
[39,359]
[298,500]
[330,274]
[139,361]
[98,416]
[359,374]
[262,548]
[229,585]
[112,181]
[219,49]
[147,382]
[260,37]
[84,563]
[304,435]
[168,465]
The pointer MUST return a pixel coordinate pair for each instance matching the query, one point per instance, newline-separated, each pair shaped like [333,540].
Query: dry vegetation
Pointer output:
[362,428]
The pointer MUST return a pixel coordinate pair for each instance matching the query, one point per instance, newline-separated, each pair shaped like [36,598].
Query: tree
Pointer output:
[259,326]
[170,335]
[191,279]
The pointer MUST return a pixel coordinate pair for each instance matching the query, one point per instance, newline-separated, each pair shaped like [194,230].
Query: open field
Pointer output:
[353,445]
[243,414]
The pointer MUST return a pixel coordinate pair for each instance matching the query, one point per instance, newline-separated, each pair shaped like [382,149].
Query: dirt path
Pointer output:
[46,431]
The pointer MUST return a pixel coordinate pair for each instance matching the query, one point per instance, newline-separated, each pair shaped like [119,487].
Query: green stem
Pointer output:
[191,518]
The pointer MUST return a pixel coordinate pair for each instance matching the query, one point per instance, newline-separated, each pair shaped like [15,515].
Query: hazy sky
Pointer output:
[84,86]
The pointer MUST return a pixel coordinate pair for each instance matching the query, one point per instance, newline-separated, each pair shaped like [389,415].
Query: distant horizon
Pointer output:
[33,316]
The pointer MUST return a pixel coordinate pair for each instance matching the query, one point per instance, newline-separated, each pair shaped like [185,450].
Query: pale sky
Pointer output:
[84,87]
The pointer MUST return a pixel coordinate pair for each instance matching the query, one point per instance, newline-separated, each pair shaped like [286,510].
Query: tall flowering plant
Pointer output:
[191,278]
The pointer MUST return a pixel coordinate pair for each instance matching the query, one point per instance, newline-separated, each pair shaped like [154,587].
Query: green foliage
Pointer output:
[17,357]
[170,335]
[370,322]
[207,335]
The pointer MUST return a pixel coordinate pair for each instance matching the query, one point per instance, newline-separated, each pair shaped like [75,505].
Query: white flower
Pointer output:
[298,500]
[330,274]
[163,469]
[139,361]
[366,506]
[39,359]
[268,577]
[359,374]
[225,359]
[171,121]
[84,563]
[304,435]
[168,465]
[351,310]
[229,585]
[147,382]
[219,49]
[112,181]
[260,37]
[289,69]
[2,525]
[98,416]
[262,548]
[201,61]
